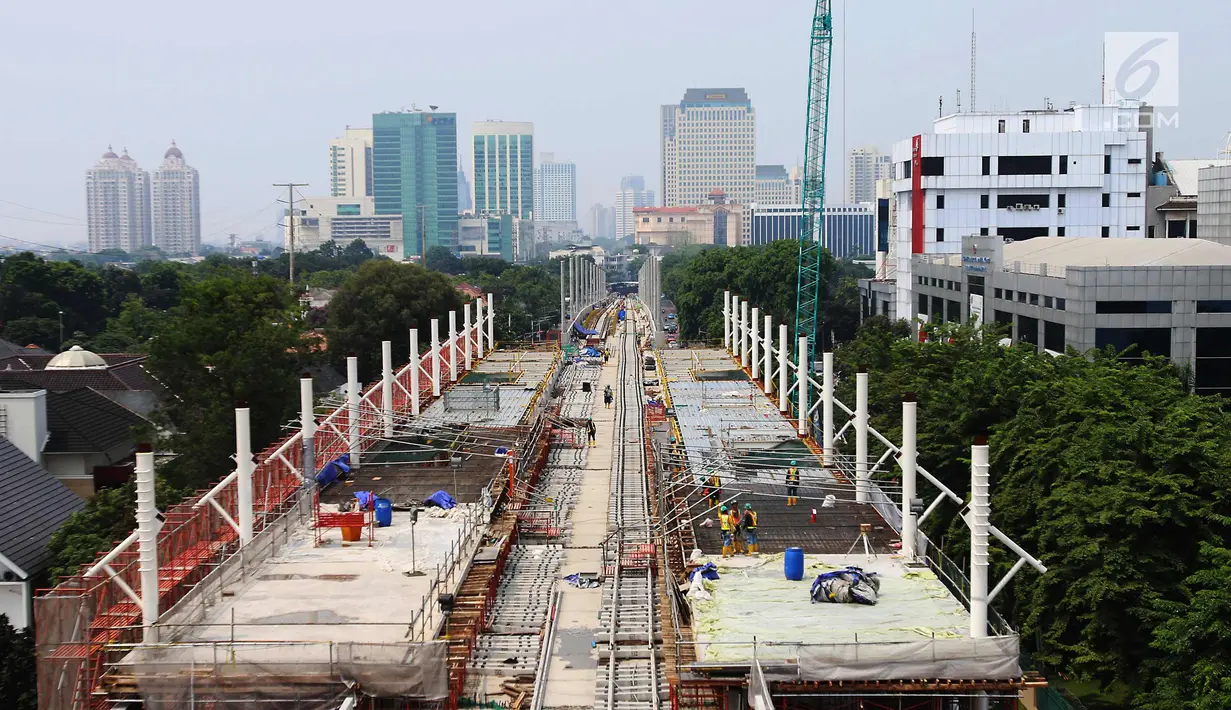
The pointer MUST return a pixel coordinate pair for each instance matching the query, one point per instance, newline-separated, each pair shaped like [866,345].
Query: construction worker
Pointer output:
[725,520]
[749,525]
[737,532]
[792,484]
[591,432]
[607,396]
[714,491]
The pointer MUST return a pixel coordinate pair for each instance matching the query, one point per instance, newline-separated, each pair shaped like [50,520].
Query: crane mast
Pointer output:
[811,246]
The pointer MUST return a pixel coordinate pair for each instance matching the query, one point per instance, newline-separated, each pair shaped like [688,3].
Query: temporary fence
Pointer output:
[84,622]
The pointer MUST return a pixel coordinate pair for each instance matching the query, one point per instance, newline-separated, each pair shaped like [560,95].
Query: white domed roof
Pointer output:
[76,358]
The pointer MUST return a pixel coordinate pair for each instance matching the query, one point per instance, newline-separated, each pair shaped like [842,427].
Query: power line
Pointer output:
[290,221]
[42,221]
[38,244]
[241,220]
[35,209]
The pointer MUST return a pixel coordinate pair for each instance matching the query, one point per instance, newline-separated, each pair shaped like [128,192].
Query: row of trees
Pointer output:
[1114,474]
[694,278]
[37,296]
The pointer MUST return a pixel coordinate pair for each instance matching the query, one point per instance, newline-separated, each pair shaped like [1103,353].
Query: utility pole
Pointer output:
[290,211]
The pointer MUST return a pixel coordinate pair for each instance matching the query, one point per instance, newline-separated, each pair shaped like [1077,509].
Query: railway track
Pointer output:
[630,674]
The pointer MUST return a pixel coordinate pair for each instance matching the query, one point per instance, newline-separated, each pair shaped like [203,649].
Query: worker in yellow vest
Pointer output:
[749,524]
[726,524]
[792,484]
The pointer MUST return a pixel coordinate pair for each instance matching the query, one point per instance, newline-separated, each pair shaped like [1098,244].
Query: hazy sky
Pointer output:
[252,91]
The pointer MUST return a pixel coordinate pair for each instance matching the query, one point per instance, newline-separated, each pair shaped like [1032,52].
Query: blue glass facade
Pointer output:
[849,230]
[414,174]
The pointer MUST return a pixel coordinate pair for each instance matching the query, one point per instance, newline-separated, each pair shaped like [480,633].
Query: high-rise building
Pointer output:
[555,190]
[849,230]
[1078,172]
[117,204]
[602,222]
[176,202]
[350,164]
[504,168]
[774,186]
[464,193]
[489,234]
[708,143]
[414,174]
[632,195]
[864,166]
[343,219]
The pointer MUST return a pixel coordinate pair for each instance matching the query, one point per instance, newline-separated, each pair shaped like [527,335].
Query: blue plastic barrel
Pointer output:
[384,517]
[793,563]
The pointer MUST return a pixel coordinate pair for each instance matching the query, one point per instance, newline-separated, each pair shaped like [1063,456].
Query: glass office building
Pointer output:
[414,174]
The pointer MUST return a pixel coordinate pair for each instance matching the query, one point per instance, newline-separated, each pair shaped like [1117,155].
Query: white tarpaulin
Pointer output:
[993,658]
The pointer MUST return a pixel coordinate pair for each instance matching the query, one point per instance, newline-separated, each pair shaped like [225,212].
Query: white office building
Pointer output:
[503,168]
[350,164]
[864,166]
[344,219]
[1077,172]
[632,195]
[176,205]
[775,187]
[555,190]
[708,143]
[117,204]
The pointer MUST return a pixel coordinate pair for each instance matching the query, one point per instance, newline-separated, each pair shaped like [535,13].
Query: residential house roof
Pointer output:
[33,505]
[8,349]
[124,371]
[467,290]
[84,421]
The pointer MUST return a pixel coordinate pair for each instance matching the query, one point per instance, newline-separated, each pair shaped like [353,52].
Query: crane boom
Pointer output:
[811,246]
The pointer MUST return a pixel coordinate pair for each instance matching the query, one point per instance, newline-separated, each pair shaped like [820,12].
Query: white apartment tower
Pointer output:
[632,195]
[350,164]
[555,190]
[775,187]
[865,165]
[1077,172]
[176,205]
[709,143]
[117,204]
[504,168]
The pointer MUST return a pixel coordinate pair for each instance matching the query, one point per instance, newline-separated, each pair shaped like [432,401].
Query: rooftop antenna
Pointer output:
[1226,147]
[940,106]
[959,100]
[973,56]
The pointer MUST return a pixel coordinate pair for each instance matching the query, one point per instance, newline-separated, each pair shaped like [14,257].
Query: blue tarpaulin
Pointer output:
[440,499]
[583,330]
[621,314]
[366,499]
[591,352]
[707,571]
[333,470]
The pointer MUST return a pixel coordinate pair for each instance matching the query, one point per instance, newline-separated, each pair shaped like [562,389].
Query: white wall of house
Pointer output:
[23,421]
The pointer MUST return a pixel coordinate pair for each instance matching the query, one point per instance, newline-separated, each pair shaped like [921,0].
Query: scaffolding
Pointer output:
[89,622]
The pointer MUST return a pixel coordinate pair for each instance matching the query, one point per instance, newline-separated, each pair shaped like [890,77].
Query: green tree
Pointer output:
[381,302]
[1194,641]
[230,340]
[18,688]
[33,288]
[444,260]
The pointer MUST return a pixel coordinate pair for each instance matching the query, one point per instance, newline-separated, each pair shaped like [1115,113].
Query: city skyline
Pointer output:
[241,152]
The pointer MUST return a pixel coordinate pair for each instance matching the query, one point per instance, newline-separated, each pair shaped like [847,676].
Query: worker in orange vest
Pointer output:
[749,525]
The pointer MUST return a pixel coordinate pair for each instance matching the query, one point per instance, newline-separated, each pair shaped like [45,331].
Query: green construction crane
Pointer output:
[811,246]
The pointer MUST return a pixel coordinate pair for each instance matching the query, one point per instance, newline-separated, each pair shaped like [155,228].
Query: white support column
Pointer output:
[386,387]
[416,370]
[726,321]
[861,437]
[755,359]
[352,409]
[453,346]
[243,470]
[491,322]
[743,333]
[466,337]
[908,461]
[769,354]
[307,426]
[801,381]
[827,429]
[434,354]
[734,327]
[147,541]
[478,327]
[783,380]
[980,522]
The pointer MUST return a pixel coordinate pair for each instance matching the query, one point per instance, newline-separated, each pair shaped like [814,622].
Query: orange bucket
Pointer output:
[352,533]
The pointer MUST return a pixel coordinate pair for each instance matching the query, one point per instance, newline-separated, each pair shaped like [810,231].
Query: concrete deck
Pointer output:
[573,662]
